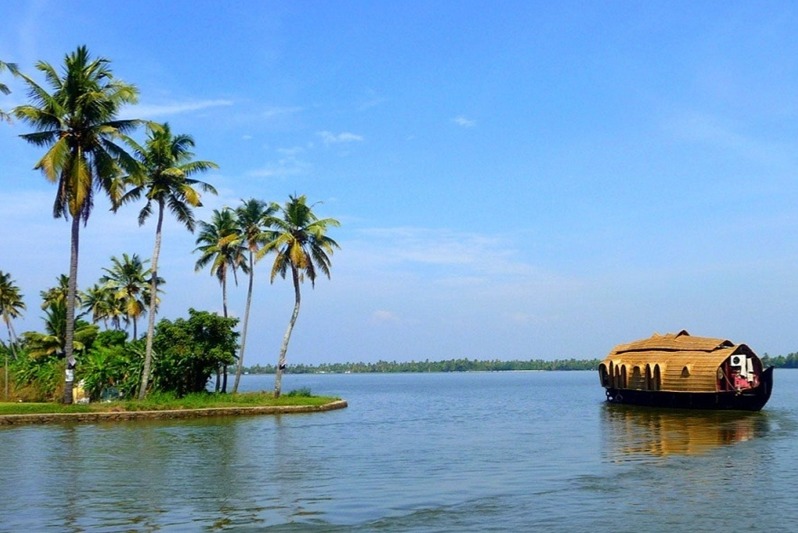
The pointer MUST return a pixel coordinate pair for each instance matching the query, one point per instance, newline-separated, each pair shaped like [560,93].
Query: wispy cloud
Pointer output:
[172,108]
[374,101]
[464,122]
[712,131]
[288,165]
[274,112]
[337,138]
[468,256]
[381,316]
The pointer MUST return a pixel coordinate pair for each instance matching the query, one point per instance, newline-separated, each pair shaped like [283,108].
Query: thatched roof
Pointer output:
[684,362]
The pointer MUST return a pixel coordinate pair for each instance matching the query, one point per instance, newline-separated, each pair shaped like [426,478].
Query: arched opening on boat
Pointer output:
[623,377]
[636,380]
[604,376]
[649,378]
[657,379]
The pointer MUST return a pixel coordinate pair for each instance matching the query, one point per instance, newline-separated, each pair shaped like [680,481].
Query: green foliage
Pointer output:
[781,361]
[189,351]
[304,392]
[112,371]
[37,378]
[111,337]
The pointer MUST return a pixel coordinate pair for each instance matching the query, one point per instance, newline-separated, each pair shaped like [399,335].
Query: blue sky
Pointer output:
[514,180]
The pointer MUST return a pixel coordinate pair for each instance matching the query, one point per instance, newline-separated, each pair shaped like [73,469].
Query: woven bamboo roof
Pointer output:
[685,363]
[674,342]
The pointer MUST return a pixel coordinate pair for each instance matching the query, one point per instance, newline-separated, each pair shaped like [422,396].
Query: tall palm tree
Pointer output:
[301,246]
[222,247]
[11,307]
[77,123]
[255,217]
[129,279]
[165,180]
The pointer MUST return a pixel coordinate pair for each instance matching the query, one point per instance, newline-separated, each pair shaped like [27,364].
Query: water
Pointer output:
[529,451]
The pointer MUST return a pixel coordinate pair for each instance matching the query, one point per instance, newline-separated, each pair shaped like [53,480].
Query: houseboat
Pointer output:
[682,371]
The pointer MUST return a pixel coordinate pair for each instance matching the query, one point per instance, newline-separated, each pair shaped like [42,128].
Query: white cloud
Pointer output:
[382,316]
[286,166]
[174,108]
[272,112]
[460,120]
[711,131]
[335,138]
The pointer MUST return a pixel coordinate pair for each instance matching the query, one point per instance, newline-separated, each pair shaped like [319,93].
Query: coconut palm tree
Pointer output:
[130,281]
[165,181]
[59,293]
[52,343]
[101,302]
[222,247]
[11,307]
[77,122]
[255,217]
[301,246]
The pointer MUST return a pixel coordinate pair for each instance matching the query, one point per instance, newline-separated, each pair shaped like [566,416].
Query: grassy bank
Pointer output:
[166,402]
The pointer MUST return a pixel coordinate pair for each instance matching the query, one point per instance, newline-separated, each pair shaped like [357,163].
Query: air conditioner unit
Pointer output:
[738,360]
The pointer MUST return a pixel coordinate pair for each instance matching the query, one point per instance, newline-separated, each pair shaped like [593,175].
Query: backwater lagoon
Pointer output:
[498,451]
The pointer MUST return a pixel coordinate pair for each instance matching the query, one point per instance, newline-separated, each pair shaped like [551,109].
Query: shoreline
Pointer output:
[167,414]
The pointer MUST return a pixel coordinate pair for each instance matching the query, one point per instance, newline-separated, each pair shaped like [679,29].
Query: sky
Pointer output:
[514,180]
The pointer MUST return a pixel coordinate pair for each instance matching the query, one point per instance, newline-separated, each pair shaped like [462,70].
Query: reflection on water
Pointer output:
[633,433]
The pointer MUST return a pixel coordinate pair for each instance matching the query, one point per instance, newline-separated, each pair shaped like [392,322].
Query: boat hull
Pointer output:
[748,400]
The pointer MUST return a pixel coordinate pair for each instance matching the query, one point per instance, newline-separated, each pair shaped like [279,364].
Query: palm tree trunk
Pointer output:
[69,334]
[220,369]
[11,341]
[240,364]
[145,373]
[12,338]
[278,378]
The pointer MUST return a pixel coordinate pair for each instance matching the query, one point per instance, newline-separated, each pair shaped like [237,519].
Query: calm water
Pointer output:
[417,452]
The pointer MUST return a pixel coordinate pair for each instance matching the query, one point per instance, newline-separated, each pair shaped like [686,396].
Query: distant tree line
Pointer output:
[781,361]
[470,365]
[448,365]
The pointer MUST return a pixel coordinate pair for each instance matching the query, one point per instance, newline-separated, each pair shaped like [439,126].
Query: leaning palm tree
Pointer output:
[222,247]
[164,179]
[129,279]
[11,307]
[77,122]
[301,246]
[255,217]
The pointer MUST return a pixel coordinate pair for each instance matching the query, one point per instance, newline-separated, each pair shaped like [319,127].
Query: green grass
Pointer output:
[163,402]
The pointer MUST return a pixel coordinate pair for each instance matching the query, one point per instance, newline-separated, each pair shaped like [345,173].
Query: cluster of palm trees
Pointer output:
[11,307]
[88,149]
